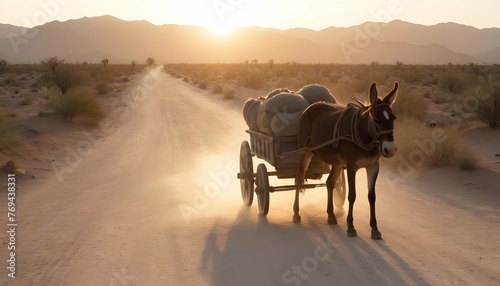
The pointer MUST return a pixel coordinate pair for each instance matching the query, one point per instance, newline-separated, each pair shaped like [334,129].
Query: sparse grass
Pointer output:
[8,140]
[410,102]
[77,102]
[442,98]
[420,146]
[27,101]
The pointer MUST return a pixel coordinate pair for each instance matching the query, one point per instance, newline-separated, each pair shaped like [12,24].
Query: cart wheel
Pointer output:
[246,174]
[262,189]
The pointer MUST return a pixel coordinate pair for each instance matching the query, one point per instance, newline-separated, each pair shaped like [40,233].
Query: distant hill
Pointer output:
[92,39]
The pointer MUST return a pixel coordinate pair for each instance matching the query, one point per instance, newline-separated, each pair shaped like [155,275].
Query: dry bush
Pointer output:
[202,85]
[410,102]
[420,146]
[229,94]
[79,102]
[218,89]
[67,77]
[452,81]
[487,97]
[103,88]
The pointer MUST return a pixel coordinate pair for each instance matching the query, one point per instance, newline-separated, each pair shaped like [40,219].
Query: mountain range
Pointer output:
[93,39]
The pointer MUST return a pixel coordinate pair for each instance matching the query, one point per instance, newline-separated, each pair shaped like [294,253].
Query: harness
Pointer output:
[351,134]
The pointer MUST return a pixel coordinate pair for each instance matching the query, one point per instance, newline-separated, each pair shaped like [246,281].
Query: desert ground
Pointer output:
[151,197]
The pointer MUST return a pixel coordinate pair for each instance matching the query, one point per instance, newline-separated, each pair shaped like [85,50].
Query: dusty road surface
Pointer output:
[156,202]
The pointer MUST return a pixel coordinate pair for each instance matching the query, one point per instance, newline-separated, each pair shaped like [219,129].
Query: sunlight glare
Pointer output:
[221,30]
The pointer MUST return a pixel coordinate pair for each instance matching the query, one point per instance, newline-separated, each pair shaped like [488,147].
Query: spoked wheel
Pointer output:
[262,189]
[246,174]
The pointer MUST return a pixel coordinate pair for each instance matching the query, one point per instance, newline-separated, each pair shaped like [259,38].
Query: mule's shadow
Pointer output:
[260,252]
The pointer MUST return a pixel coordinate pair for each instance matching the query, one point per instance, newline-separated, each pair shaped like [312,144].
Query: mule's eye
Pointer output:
[376,120]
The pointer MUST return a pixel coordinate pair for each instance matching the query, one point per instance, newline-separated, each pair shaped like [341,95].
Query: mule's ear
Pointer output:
[373,94]
[391,97]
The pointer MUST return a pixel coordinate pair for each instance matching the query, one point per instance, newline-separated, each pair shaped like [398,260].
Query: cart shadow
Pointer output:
[259,252]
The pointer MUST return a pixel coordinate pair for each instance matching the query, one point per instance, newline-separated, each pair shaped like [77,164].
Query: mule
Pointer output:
[359,135]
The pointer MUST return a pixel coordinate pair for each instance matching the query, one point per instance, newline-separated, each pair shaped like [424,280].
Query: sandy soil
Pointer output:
[153,199]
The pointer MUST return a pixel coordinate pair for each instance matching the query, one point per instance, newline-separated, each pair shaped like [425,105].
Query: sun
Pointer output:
[221,30]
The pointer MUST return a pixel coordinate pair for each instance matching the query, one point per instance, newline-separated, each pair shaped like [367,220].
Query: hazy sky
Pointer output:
[283,14]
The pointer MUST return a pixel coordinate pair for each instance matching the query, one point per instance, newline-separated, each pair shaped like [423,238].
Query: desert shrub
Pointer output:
[103,88]
[410,102]
[202,85]
[252,78]
[218,89]
[467,161]
[77,102]
[229,94]
[487,99]
[451,81]
[420,146]
[66,77]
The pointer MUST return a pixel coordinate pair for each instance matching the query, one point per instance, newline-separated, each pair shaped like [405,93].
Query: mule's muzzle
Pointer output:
[388,148]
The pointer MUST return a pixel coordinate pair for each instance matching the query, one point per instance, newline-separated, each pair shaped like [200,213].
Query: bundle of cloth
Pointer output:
[279,112]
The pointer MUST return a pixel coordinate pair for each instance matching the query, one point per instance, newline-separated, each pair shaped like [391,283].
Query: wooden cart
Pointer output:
[274,149]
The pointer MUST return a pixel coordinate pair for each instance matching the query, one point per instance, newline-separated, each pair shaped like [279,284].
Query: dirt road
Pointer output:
[156,202]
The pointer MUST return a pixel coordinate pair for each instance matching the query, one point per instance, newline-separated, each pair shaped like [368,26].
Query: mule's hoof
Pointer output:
[351,232]
[332,220]
[297,218]
[376,234]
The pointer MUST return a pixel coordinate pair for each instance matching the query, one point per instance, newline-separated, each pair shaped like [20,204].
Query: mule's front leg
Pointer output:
[372,174]
[351,178]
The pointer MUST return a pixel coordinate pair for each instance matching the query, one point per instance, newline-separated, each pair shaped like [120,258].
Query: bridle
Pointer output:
[372,129]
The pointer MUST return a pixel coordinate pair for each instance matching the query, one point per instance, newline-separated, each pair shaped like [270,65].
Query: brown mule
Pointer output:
[360,135]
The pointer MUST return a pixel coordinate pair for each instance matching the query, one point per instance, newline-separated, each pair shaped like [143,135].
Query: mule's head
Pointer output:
[382,123]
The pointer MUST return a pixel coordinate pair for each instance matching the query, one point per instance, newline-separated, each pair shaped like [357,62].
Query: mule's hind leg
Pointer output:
[305,159]
[330,185]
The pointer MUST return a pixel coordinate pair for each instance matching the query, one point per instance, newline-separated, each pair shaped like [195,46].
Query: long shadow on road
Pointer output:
[259,252]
